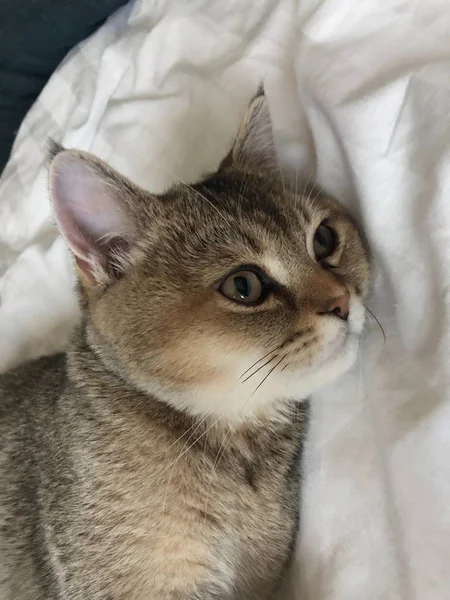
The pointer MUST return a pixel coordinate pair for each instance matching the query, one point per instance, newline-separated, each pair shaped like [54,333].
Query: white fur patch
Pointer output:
[261,385]
[275,268]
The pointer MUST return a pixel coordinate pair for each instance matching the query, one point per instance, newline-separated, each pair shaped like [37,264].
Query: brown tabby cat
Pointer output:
[158,458]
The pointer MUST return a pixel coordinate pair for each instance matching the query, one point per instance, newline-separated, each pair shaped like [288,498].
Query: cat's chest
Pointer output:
[200,519]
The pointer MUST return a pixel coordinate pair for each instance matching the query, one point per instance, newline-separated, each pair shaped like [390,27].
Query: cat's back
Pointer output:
[38,381]
[28,397]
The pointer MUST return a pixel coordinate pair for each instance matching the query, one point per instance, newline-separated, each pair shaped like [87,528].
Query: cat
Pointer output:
[158,458]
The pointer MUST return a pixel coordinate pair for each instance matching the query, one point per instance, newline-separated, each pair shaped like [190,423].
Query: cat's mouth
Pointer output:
[334,347]
[332,338]
[316,349]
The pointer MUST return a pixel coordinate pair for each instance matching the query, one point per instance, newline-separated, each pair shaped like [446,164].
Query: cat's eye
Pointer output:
[245,287]
[325,242]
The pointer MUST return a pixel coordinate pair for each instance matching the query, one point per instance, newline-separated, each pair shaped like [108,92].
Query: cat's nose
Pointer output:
[339,306]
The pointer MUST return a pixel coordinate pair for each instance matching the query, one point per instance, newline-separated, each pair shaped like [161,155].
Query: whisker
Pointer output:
[228,434]
[242,191]
[268,374]
[196,425]
[282,178]
[185,450]
[163,510]
[193,444]
[261,367]
[319,192]
[219,455]
[285,367]
[305,187]
[210,203]
[311,199]
[259,360]
[311,191]
[204,198]
[222,448]
[378,322]
[296,188]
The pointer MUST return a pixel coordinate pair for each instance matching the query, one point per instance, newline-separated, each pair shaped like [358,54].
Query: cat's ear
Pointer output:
[96,211]
[254,147]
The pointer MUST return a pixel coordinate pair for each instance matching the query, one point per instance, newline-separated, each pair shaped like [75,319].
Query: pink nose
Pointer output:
[339,306]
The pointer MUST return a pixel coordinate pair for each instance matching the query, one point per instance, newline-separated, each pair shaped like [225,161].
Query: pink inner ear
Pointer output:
[87,205]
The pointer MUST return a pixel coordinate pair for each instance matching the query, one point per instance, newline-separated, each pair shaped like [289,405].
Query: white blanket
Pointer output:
[360,92]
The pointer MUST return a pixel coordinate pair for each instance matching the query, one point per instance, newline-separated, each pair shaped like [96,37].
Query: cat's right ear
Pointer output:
[97,212]
[254,146]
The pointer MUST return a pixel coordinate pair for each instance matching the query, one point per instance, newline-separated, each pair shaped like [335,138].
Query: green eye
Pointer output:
[245,287]
[325,242]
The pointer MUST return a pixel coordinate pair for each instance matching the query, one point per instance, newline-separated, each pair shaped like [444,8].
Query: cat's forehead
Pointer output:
[249,205]
[254,218]
[232,220]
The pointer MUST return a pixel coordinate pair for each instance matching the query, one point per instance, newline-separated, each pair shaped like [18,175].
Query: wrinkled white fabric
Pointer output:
[360,92]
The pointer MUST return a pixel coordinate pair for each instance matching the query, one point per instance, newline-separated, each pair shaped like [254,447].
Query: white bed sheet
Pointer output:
[360,93]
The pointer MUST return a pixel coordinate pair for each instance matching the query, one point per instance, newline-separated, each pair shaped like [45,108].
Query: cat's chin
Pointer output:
[340,339]
[266,397]
[334,362]
[233,398]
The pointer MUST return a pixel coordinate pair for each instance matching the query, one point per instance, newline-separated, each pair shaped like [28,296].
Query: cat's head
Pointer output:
[220,298]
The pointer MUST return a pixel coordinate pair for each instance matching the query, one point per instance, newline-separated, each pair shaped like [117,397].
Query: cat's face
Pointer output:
[221,298]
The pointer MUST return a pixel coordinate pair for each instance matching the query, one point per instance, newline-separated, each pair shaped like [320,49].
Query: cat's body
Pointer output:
[99,507]
[159,458]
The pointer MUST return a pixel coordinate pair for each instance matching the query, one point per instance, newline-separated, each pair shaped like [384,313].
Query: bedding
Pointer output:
[359,94]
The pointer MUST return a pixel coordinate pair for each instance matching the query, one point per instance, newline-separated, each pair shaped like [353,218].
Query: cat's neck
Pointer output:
[114,395]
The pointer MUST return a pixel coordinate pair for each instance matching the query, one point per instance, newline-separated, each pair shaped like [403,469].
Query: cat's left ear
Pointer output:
[97,211]
[254,147]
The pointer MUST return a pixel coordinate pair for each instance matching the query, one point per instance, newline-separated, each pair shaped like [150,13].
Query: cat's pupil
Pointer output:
[321,239]
[243,286]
